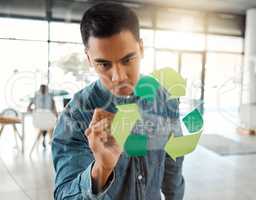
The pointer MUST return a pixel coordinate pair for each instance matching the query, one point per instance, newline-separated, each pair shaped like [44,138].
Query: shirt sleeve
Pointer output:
[73,159]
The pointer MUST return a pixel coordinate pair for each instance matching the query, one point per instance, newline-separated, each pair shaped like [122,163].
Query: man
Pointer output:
[89,163]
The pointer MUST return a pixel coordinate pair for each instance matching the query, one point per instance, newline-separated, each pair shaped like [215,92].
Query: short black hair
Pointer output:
[106,19]
[43,88]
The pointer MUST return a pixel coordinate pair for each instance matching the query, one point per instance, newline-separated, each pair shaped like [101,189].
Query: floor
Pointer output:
[208,176]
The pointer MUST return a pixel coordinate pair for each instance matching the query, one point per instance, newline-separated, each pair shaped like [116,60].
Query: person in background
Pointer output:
[43,100]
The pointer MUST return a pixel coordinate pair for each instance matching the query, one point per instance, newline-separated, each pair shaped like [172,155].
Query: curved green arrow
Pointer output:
[171,80]
[193,121]
[136,145]
[146,88]
[179,146]
[124,121]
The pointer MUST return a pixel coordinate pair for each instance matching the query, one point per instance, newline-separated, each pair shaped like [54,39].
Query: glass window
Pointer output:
[224,43]
[180,40]
[69,70]
[222,80]
[191,70]
[167,59]
[66,32]
[69,10]
[225,24]
[147,63]
[23,69]
[191,66]
[180,20]
[69,67]
[147,36]
[145,16]
[23,8]
[23,29]
[222,92]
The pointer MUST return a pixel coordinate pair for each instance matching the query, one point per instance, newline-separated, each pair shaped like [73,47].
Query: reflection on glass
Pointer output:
[69,68]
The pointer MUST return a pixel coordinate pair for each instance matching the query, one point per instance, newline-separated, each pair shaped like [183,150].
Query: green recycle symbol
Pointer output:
[128,114]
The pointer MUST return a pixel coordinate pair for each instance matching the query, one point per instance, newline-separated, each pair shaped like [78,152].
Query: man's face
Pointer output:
[116,60]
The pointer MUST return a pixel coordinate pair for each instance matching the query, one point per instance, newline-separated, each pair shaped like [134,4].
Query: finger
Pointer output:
[113,146]
[96,140]
[99,133]
[102,125]
[104,137]
[87,132]
[100,114]
[109,141]
[105,114]
[96,116]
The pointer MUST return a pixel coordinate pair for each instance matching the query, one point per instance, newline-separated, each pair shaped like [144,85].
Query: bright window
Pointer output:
[147,36]
[23,69]
[147,63]
[167,59]
[66,32]
[224,43]
[23,29]
[180,40]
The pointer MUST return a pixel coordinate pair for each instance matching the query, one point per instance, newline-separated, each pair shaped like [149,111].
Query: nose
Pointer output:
[118,74]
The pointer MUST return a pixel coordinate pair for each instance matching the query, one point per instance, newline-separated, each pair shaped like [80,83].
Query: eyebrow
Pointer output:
[129,55]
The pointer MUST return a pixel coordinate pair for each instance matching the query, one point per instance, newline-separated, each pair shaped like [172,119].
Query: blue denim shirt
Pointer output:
[134,178]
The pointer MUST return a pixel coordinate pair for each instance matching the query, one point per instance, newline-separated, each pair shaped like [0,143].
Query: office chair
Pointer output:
[45,121]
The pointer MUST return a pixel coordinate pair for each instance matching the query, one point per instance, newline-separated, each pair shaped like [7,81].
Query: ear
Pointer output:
[141,45]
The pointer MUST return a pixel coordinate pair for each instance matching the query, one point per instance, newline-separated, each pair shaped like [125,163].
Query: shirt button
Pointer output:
[139,177]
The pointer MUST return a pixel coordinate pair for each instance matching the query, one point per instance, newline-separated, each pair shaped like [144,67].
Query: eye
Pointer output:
[103,66]
[128,61]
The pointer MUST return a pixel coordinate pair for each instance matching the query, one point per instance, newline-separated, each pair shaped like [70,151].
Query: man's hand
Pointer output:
[103,145]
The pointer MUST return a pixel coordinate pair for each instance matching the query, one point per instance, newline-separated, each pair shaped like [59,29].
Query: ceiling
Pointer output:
[73,9]
[230,6]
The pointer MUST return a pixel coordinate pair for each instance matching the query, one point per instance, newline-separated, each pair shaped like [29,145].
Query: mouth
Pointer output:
[123,89]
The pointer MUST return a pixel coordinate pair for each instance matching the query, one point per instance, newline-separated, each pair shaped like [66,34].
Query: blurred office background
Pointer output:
[208,42]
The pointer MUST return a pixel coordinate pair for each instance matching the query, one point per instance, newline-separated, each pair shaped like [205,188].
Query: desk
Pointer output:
[10,120]
[4,120]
